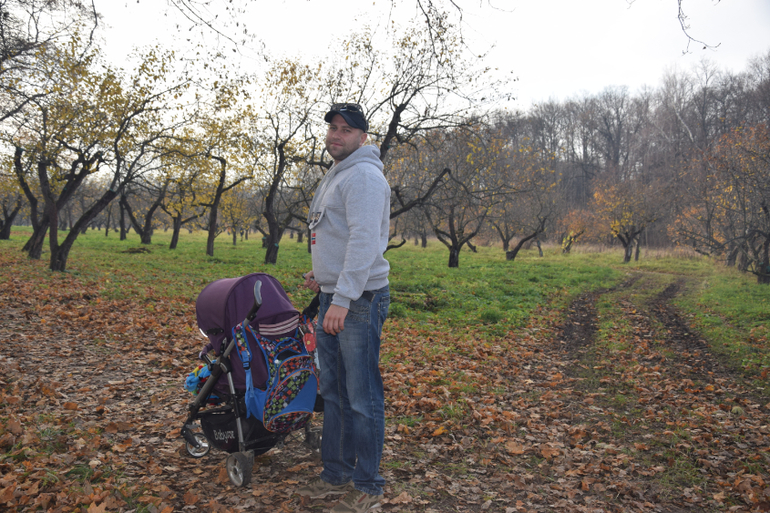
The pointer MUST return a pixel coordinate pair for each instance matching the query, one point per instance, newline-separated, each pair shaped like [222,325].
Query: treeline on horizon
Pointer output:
[175,145]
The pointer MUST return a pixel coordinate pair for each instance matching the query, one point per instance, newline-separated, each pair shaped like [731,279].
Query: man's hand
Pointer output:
[311,283]
[334,320]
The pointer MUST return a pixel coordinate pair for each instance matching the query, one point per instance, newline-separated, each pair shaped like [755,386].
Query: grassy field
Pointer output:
[486,292]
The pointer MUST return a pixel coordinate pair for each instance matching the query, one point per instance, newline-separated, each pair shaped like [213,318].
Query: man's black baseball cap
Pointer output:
[352,112]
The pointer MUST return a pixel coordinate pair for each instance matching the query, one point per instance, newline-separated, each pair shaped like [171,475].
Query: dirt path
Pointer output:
[695,435]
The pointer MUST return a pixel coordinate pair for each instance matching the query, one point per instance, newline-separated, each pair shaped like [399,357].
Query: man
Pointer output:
[349,221]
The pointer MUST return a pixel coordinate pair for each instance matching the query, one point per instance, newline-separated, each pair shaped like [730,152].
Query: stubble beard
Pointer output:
[340,153]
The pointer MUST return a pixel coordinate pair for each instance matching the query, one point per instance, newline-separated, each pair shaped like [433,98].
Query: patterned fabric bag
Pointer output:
[286,403]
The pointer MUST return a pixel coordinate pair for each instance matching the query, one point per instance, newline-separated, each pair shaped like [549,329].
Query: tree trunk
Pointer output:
[212,231]
[566,245]
[36,238]
[53,236]
[763,277]
[59,260]
[273,238]
[627,247]
[628,250]
[454,256]
[145,230]
[743,261]
[5,228]
[122,222]
[51,211]
[212,228]
[763,274]
[271,255]
[235,238]
[504,237]
[732,256]
[34,246]
[176,227]
[424,240]
[511,255]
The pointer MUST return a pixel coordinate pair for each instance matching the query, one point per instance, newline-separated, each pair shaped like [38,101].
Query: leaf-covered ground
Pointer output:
[581,411]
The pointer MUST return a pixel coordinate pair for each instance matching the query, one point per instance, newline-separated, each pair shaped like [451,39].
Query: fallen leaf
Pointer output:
[403,498]
[514,447]
[93,508]
[440,431]
[190,498]
[14,426]
[549,452]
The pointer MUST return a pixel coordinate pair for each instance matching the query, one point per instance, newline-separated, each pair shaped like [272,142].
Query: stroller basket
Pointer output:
[255,305]
[221,430]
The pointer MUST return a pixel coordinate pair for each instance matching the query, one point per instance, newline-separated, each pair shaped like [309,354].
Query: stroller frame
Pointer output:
[240,462]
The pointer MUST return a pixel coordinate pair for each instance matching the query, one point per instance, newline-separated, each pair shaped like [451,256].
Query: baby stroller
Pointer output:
[222,414]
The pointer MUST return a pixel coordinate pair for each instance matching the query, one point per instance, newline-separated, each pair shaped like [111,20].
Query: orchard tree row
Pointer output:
[192,132]
[190,143]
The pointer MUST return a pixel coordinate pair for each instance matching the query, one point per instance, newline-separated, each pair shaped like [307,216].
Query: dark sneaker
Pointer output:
[318,488]
[358,502]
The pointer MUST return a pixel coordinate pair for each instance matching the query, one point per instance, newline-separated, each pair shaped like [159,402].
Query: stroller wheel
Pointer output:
[239,465]
[198,452]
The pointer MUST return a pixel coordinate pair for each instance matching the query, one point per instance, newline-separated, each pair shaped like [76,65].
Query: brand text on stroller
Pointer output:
[224,435]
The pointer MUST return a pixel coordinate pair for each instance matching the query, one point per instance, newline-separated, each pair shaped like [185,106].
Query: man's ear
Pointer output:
[363,138]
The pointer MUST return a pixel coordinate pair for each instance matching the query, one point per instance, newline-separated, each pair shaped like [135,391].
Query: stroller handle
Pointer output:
[257,301]
[311,310]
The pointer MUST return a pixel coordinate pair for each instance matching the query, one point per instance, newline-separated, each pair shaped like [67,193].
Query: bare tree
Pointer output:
[458,208]
[28,27]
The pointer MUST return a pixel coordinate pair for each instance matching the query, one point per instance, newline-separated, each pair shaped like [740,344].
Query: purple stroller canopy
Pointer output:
[225,303]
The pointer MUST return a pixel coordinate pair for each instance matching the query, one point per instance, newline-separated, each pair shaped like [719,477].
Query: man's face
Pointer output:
[342,139]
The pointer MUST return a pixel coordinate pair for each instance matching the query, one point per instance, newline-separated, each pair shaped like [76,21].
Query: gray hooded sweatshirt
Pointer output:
[349,222]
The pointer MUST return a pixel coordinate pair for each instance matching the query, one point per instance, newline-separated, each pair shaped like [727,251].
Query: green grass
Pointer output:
[485,291]
[733,312]
[486,295]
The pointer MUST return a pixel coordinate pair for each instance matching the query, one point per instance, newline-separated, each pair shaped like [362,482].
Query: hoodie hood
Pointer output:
[367,154]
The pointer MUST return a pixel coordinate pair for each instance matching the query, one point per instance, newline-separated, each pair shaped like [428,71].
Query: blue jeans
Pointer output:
[354,399]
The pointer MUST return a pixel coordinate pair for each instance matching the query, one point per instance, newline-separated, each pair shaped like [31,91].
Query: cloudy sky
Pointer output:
[556,48]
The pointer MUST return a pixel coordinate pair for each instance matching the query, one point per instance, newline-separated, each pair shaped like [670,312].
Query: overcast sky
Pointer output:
[557,48]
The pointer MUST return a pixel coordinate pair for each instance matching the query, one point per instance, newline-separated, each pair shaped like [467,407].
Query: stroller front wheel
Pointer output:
[203,446]
[239,466]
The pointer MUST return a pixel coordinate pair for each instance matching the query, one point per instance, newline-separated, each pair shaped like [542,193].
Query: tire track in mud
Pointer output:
[580,327]
[690,348]
[697,362]
[692,421]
